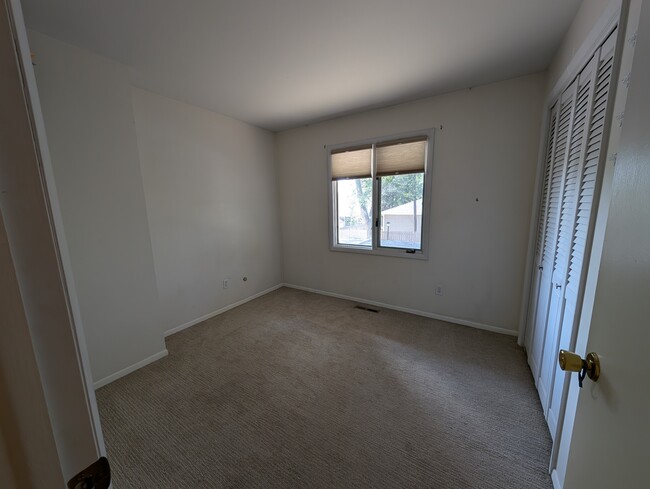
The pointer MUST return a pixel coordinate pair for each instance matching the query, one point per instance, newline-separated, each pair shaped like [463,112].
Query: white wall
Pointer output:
[161,202]
[212,200]
[487,149]
[573,45]
[86,102]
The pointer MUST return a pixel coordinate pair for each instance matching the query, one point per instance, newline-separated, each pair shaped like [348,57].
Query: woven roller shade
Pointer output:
[403,156]
[352,163]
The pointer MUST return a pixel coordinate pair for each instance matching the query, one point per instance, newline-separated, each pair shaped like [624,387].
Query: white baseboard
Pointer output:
[161,354]
[219,311]
[556,480]
[463,322]
[129,369]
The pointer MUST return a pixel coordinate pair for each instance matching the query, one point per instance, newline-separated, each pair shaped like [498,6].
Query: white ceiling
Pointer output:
[283,63]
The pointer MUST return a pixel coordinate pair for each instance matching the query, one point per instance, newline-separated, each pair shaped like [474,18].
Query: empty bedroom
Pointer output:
[319,244]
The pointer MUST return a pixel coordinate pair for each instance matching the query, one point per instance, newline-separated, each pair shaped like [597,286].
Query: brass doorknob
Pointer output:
[572,362]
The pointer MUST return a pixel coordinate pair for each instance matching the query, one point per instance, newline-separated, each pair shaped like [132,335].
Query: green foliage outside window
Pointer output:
[395,190]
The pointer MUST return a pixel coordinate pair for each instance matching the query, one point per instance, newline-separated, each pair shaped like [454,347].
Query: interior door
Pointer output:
[609,443]
[32,223]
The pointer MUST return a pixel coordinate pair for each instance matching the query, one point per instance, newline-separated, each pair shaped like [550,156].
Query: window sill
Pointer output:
[395,253]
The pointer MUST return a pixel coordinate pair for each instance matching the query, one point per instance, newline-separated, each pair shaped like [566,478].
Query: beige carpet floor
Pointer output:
[297,390]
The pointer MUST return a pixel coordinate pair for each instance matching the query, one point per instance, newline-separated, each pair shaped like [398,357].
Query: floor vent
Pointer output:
[366,308]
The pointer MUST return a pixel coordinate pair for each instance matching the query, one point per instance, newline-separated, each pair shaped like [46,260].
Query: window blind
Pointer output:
[402,156]
[352,162]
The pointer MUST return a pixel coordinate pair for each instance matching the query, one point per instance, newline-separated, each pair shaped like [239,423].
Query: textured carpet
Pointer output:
[299,390]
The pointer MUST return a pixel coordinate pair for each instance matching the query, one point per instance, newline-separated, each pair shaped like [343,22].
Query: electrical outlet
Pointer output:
[438,290]
[226,283]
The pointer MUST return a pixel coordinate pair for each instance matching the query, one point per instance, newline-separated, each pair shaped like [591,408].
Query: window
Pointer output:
[380,194]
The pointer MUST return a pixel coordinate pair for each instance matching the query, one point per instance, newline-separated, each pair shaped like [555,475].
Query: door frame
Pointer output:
[64,366]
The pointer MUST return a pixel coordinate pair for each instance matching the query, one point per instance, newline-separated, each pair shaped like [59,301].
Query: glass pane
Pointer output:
[401,211]
[354,211]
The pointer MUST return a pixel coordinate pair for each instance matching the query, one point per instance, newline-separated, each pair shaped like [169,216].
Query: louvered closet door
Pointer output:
[551,224]
[541,221]
[551,250]
[586,184]
[584,87]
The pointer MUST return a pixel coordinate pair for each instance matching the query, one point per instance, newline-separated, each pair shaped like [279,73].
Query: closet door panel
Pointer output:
[548,287]
[539,307]
[543,209]
[551,223]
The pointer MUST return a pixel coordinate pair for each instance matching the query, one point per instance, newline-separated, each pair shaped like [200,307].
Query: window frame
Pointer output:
[375,249]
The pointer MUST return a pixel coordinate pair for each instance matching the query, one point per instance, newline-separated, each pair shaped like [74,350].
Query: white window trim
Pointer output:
[426,199]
